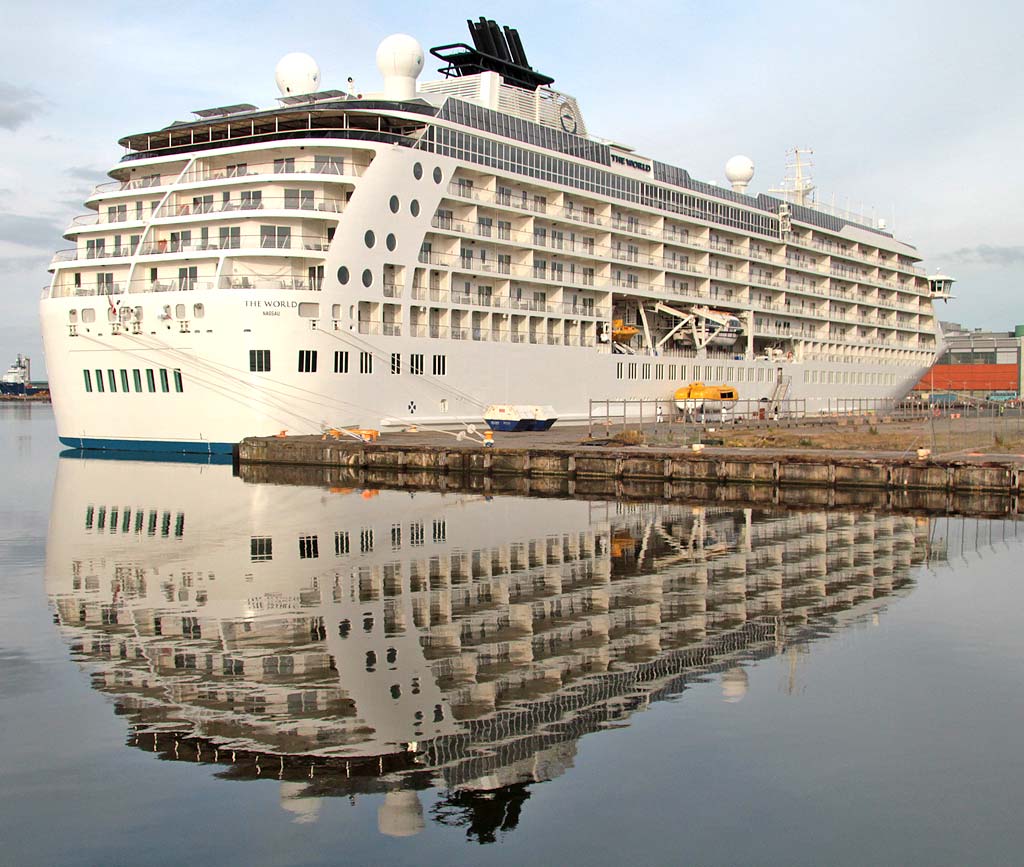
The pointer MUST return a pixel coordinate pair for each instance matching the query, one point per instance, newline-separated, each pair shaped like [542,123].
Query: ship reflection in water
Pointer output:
[342,641]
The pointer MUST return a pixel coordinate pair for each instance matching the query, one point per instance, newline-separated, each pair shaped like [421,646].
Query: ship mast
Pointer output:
[797,187]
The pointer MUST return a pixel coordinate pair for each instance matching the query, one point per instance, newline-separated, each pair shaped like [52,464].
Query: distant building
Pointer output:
[977,362]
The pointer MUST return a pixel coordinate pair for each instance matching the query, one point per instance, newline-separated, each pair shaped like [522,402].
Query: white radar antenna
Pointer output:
[297,74]
[739,171]
[797,187]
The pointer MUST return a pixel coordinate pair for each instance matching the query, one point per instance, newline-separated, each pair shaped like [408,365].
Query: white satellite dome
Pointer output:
[297,73]
[738,171]
[400,61]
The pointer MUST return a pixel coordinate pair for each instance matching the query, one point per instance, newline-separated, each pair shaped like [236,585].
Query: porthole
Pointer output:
[370,238]
[343,275]
[390,242]
[393,204]
[417,170]
[367,278]
[437,176]
[414,208]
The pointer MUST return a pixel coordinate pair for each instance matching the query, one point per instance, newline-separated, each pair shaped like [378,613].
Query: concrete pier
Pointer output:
[586,465]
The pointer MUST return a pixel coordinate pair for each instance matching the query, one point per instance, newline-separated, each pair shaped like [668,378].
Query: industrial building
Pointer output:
[977,363]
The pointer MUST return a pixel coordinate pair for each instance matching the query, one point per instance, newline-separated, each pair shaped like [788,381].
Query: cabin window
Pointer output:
[307,361]
[341,542]
[341,361]
[150,380]
[165,385]
[259,360]
[261,548]
[88,380]
[365,362]
[309,547]
[178,386]
[416,364]
[137,379]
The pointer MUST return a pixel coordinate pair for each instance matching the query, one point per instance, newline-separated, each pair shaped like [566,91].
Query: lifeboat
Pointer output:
[622,333]
[698,397]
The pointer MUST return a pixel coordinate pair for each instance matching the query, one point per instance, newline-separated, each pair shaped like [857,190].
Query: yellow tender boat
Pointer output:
[698,397]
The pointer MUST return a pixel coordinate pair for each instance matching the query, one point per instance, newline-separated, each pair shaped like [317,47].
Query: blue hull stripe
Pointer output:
[175,446]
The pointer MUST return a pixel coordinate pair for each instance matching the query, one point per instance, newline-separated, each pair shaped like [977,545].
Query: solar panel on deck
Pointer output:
[225,110]
[318,96]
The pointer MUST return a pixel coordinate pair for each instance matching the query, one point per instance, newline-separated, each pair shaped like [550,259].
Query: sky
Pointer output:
[914,110]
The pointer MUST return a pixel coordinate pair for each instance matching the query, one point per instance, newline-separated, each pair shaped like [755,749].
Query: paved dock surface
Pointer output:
[571,438]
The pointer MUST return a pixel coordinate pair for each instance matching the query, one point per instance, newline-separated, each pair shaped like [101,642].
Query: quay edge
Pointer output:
[720,466]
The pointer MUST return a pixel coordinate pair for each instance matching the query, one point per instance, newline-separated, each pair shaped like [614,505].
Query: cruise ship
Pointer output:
[413,255]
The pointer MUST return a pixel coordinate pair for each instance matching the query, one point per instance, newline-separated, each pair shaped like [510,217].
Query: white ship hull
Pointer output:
[221,402]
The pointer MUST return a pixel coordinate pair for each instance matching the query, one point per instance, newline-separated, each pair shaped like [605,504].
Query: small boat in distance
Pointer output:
[513,417]
[18,378]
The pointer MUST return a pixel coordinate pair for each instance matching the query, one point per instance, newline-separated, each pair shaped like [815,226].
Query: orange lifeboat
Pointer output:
[622,333]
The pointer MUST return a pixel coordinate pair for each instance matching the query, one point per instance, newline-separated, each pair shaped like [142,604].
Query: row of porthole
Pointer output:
[395,205]
[370,239]
[343,276]
[417,172]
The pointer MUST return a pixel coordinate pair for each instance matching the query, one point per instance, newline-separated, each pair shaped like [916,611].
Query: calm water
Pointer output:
[195,667]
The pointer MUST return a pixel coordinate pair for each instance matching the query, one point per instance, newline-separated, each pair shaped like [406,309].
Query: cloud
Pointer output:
[987,254]
[30,231]
[87,173]
[18,105]
[25,264]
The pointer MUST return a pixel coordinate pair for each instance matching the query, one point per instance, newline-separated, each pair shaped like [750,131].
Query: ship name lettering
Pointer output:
[271,303]
[633,164]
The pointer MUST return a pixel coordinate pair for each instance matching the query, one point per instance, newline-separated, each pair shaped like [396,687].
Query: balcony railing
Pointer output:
[329,206]
[167,246]
[298,166]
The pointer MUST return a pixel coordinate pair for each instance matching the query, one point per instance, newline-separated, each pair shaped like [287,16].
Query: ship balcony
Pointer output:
[144,183]
[498,335]
[118,218]
[780,330]
[529,204]
[269,282]
[309,205]
[566,308]
[731,274]
[680,267]
[733,250]
[633,227]
[794,263]
[760,280]
[282,169]
[264,243]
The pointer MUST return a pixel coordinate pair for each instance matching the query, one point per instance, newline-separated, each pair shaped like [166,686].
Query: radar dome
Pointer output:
[738,171]
[400,61]
[297,73]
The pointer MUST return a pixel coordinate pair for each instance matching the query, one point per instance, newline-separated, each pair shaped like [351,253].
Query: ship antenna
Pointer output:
[798,186]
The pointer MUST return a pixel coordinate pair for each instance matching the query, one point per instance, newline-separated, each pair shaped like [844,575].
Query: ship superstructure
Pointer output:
[415,255]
